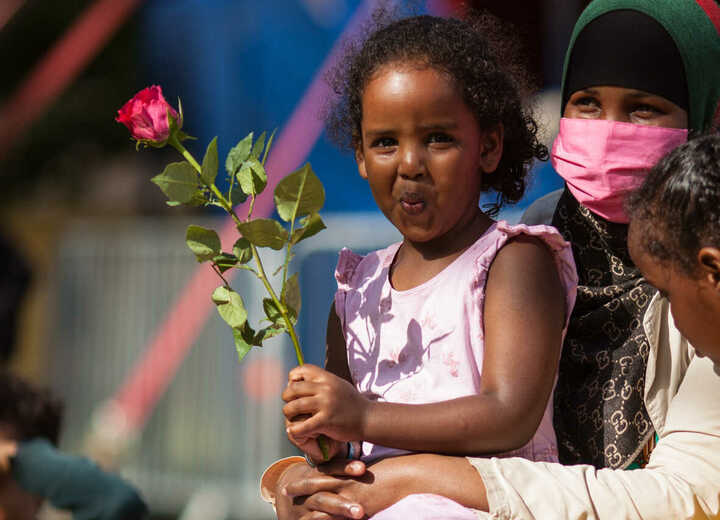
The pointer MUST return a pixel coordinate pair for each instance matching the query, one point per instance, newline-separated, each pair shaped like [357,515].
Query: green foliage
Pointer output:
[290,295]
[230,306]
[298,198]
[252,177]
[242,250]
[264,232]
[225,261]
[179,182]
[300,193]
[210,163]
[310,225]
[238,155]
[205,243]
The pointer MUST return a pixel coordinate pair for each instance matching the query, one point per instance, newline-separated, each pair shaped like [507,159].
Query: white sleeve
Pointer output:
[682,479]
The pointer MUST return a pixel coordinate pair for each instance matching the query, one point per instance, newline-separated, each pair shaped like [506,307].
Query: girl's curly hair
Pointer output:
[480,53]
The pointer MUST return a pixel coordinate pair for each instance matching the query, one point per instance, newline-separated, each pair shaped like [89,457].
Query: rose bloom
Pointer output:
[146,115]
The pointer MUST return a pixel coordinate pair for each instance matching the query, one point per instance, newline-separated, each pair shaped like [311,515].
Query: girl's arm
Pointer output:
[524,316]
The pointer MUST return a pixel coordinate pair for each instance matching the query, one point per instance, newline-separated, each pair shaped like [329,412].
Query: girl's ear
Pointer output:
[360,160]
[491,149]
[709,260]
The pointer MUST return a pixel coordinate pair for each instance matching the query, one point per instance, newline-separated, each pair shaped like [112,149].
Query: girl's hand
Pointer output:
[309,446]
[319,402]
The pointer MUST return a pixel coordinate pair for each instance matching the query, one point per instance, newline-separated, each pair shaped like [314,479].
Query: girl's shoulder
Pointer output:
[352,269]
[502,233]
[527,246]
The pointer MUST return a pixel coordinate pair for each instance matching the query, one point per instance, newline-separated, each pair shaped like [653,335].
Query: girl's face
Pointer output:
[694,301]
[423,152]
[625,105]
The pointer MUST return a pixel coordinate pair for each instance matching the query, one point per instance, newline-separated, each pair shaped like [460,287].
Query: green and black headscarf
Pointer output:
[600,415]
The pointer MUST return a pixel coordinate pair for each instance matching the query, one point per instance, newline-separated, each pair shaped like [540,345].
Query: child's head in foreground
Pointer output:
[674,238]
[26,412]
[434,110]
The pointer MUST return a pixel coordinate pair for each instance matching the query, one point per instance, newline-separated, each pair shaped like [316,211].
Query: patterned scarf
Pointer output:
[600,415]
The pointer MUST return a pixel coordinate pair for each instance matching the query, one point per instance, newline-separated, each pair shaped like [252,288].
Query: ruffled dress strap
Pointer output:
[559,247]
[345,275]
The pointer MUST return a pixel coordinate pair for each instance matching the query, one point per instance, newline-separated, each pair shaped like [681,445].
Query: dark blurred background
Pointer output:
[95,263]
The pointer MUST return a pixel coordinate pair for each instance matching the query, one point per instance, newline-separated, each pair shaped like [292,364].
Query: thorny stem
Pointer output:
[219,273]
[175,143]
[283,310]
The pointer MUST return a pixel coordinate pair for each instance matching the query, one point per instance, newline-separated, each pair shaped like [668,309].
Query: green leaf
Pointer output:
[230,306]
[237,195]
[224,261]
[267,148]
[258,146]
[205,243]
[178,182]
[252,177]
[264,232]
[291,295]
[269,332]
[311,225]
[299,194]
[210,163]
[241,249]
[271,311]
[238,154]
[244,340]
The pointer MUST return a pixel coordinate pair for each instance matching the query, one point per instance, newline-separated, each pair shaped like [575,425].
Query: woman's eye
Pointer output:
[384,142]
[646,111]
[587,101]
[440,137]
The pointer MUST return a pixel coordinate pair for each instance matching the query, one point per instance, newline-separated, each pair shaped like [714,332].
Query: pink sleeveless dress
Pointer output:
[425,344]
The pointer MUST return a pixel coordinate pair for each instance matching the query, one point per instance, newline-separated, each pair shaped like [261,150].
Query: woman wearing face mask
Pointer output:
[640,76]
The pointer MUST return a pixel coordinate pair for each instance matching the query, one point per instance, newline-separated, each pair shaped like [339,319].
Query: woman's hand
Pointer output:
[319,402]
[322,493]
[332,490]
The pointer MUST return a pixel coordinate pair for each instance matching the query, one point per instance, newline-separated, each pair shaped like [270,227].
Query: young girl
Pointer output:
[448,341]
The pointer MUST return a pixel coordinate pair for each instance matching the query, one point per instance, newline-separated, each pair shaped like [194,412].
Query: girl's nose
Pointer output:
[412,163]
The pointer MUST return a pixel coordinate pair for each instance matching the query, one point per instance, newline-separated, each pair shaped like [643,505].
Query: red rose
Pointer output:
[147,116]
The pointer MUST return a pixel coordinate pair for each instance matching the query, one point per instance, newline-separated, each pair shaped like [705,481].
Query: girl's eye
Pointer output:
[440,137]
[384,142]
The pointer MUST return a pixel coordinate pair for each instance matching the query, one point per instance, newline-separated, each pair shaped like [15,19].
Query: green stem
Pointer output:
[283,310]
[175,143]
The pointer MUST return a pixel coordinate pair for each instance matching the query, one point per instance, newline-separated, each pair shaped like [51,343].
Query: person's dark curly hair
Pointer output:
[480,54]
[27,412]
[676,210]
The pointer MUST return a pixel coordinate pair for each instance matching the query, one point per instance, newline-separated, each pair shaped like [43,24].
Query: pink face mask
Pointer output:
[602,161]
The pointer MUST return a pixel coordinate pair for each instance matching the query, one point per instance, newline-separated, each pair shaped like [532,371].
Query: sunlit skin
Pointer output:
[694,299]
[625,105]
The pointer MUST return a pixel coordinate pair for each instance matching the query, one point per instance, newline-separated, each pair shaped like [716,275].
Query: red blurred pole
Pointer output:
[7,9]
[56,70]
